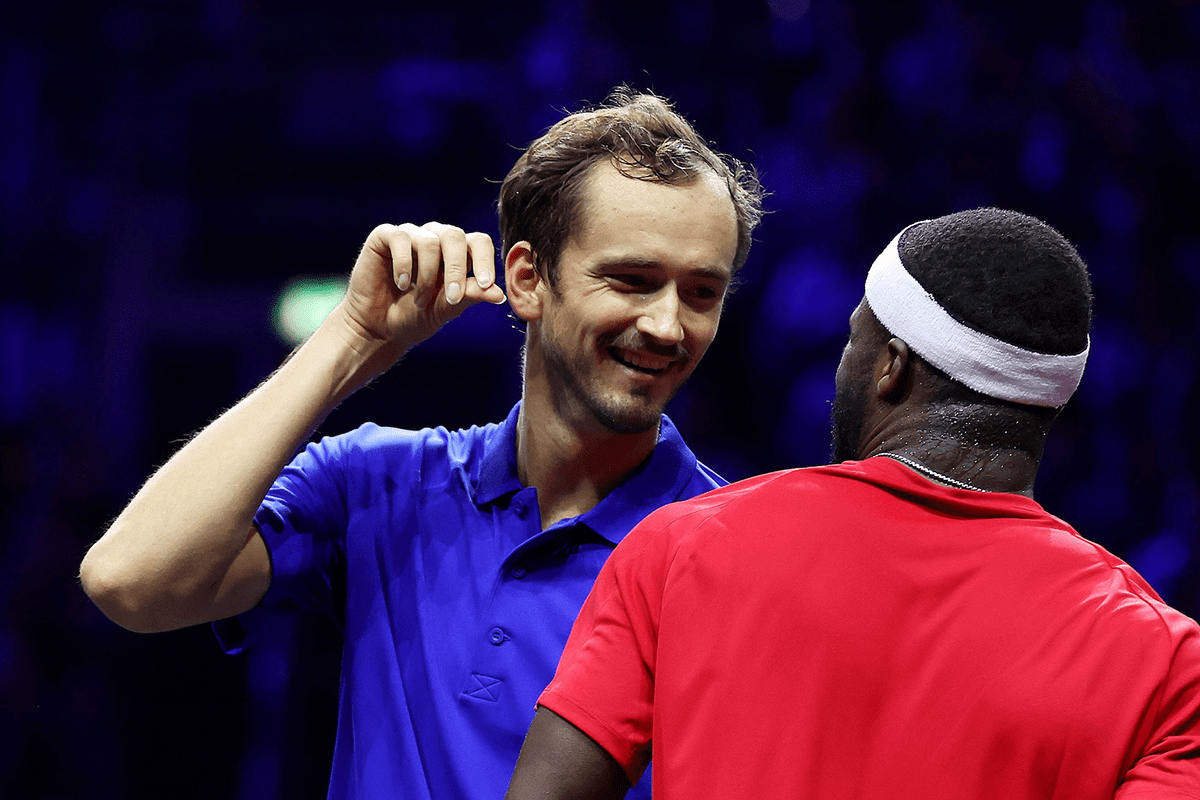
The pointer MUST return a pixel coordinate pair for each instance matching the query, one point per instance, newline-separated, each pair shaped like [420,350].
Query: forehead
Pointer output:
[687,223]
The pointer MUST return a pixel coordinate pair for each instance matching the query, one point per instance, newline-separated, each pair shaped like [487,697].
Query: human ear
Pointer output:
[522,282]
[894,371]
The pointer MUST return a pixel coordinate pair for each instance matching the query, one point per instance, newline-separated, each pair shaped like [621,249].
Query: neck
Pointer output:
[573,467]
[990,470]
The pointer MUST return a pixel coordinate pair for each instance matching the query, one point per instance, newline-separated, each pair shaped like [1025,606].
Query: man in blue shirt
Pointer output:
[456,561]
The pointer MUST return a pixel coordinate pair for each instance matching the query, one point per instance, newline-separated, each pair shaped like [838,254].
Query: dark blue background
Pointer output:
[166,167]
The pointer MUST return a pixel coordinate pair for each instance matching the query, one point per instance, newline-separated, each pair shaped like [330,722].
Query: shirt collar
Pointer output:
[895,476]
[498,467]
[658,480]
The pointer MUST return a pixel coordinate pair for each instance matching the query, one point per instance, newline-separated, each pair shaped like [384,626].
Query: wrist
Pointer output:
[336,361]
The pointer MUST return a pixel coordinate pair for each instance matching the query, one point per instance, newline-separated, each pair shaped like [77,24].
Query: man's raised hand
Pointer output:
[409,280]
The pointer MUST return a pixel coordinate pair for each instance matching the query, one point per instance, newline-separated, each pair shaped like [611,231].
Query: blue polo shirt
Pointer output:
[455,604]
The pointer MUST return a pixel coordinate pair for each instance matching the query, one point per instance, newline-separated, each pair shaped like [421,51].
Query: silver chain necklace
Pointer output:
[929,473]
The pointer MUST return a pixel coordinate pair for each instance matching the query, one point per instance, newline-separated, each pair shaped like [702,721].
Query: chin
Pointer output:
[629,423]
[629,417]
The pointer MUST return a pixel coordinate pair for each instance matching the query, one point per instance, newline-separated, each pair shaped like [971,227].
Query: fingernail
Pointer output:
[454,293]
[403,281]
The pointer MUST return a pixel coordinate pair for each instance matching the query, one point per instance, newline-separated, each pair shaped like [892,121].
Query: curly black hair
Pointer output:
[1005,274]
[1012,277]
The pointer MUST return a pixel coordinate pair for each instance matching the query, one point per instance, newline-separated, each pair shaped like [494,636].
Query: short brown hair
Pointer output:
[644,138]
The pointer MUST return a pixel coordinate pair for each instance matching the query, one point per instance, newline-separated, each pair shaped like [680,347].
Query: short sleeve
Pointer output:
[604,684]
[1169,766]
[302,521]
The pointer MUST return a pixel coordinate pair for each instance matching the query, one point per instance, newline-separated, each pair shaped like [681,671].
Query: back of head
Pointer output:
[541,198]
[1015,279]
[1005,274]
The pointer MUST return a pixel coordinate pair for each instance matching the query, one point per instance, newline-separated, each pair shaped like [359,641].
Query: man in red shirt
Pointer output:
[907,622]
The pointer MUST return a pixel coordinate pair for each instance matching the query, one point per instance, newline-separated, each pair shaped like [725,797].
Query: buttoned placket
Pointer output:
[500,626]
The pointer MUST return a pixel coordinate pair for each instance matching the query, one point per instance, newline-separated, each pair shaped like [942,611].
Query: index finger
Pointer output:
[483,258]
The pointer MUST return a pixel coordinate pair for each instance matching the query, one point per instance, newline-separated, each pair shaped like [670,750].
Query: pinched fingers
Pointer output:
[464,254]
[425,259]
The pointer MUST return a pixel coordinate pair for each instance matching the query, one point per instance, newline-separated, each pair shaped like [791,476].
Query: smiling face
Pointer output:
[638,294]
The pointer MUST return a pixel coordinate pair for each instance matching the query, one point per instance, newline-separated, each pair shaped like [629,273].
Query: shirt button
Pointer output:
[518,572]
[498,636]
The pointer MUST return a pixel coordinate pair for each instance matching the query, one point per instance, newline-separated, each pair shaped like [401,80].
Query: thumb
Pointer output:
[472,295]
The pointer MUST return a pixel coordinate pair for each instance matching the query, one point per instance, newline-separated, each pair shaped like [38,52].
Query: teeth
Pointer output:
[643,361]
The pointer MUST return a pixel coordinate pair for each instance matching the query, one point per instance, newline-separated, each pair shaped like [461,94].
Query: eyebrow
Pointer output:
[707,273]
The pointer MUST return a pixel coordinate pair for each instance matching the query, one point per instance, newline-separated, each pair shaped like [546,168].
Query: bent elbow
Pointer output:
[120,593]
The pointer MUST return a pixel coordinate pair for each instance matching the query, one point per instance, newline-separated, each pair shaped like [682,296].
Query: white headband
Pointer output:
[985,364]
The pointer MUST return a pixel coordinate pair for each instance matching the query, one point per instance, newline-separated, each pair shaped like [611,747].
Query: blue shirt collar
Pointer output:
[659,479]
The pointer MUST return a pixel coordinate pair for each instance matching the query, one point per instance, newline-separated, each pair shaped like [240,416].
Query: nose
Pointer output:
[660,316]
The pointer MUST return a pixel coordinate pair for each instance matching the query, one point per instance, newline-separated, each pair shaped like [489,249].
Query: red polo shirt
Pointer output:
[857,631]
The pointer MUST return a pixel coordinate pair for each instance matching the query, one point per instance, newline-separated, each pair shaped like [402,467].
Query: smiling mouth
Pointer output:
[644,363]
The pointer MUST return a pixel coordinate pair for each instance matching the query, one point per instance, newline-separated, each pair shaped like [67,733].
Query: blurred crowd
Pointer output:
[166,168]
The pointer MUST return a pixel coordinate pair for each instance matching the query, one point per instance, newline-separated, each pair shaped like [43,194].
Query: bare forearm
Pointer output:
[560,761]
[182,551]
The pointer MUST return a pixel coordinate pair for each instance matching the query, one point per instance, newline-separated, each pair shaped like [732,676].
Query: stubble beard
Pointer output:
[846,420]
[622,413]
